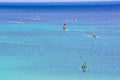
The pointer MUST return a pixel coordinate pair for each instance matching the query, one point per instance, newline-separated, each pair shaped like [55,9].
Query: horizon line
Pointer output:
[56,2]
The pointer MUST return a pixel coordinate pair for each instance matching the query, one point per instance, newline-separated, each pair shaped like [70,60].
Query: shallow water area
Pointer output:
[30,52]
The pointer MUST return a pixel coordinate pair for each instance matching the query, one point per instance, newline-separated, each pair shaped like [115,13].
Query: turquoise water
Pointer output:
[41,50]
[35,52]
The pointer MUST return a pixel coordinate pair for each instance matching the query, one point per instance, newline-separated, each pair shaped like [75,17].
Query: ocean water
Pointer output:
[42,50]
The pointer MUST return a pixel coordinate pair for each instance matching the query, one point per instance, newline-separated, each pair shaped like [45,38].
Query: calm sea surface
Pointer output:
[38,49]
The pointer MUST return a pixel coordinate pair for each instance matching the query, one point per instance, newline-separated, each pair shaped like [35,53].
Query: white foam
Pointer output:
[12,22]
[92,36]
[30,18]
[74,30]
[68,20]
[11,42]
[77,30]
[67,29]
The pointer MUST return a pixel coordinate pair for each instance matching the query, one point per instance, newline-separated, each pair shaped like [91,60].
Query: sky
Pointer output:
[53,0]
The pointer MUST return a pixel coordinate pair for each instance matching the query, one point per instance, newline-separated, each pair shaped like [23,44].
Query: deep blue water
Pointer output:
[58,12]
[41,50]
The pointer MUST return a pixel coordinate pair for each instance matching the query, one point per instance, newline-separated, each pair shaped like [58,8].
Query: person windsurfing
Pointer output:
[21,21]
[64,26]
[37,18]
[94,34]
[84,66]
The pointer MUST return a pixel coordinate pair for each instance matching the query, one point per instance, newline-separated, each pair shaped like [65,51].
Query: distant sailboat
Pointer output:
[74,19]
[20,21]
[37,18]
